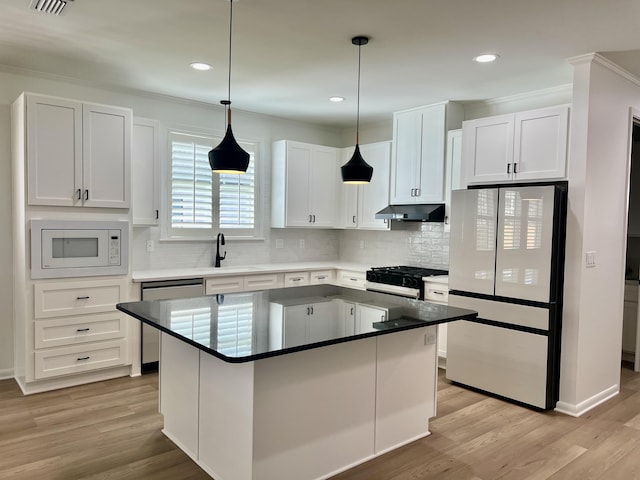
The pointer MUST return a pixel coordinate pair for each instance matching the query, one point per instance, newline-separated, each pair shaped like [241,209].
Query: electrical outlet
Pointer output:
[150,246]
[279,243]
[430,338]
[590,259]
[302,243]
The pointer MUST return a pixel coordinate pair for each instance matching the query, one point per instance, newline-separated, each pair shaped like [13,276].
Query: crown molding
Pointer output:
[606,63]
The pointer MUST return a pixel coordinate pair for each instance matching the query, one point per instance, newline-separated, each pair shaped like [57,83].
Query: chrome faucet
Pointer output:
[220,241]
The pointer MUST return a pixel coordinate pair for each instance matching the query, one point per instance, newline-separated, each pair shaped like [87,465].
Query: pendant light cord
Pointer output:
[358,102]
[228,104]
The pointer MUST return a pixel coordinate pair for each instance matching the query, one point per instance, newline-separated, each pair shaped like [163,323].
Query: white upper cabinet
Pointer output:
[77,154]
[418,157]
[454,172]
[145,171]
[303,185]
[360,203]
[524,146]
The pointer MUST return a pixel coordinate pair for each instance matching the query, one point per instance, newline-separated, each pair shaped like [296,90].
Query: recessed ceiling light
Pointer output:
[486,58]
[336,99]
[201,66]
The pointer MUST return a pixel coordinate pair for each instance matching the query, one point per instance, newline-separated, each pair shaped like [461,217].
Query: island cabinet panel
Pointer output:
[179,383]
[306,415]
[336,386]
[405,364]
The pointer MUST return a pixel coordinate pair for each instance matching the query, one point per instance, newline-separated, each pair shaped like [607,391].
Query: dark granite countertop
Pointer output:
[248,326]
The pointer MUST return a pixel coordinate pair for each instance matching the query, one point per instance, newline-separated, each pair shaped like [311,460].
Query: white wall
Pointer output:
[598,195]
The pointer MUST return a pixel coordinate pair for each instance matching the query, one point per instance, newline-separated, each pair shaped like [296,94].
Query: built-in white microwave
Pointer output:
[75,248]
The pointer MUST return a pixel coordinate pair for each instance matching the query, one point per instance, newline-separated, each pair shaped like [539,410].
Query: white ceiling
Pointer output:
[289,56]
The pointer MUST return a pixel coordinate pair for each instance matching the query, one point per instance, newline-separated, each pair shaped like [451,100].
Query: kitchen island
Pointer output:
[296,383]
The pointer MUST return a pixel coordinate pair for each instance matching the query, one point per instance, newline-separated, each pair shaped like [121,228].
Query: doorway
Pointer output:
[630,343]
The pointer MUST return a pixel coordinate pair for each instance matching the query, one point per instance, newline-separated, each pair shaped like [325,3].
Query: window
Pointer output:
[201,203]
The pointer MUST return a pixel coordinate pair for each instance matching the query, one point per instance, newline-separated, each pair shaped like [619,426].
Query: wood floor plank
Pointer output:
[111,430]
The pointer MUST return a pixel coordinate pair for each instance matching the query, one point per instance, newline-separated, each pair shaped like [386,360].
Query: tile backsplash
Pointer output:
[408,243]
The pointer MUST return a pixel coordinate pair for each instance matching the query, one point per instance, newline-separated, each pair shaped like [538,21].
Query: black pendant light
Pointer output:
[356,170]
[228,156]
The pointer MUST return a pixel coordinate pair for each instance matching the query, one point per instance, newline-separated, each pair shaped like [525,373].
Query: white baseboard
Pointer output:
[575,410]
[6,373]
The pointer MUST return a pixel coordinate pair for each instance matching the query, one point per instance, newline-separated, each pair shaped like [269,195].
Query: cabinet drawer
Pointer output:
[296,279]
[351,279]
[80,358]
[263,282]
[224,285]
[436,293]
[80,329]
[321,276]
[76,298]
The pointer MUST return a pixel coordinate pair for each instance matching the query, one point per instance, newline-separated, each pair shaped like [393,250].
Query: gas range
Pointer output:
[401,280]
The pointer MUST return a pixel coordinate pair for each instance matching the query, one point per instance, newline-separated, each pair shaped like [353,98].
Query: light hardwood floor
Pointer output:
[111,430]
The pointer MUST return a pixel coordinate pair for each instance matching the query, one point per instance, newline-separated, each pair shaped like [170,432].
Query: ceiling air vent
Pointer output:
[56,7]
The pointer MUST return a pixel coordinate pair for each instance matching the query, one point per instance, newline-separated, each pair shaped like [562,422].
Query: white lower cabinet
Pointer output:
[243,283]
[438,293]
[76,327]
[350,279]
[300,321]
[79,358]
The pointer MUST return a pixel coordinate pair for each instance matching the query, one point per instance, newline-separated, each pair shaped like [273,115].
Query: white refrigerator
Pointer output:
[507,262]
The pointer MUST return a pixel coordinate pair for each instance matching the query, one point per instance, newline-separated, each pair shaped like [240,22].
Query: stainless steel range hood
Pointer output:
[413,213]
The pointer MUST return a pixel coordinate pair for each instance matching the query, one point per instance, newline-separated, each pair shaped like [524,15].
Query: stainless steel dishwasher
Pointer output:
[163,290]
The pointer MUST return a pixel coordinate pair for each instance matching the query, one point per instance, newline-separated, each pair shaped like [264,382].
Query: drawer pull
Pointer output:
[83,329]
[83,358]
[321,277]
[87,297]
[297,279]
[437,293]
[353,279]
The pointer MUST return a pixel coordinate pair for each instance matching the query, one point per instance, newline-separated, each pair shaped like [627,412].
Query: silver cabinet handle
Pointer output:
[83,358]
[417,192]
[83,329]
[412,190]
[83,298]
